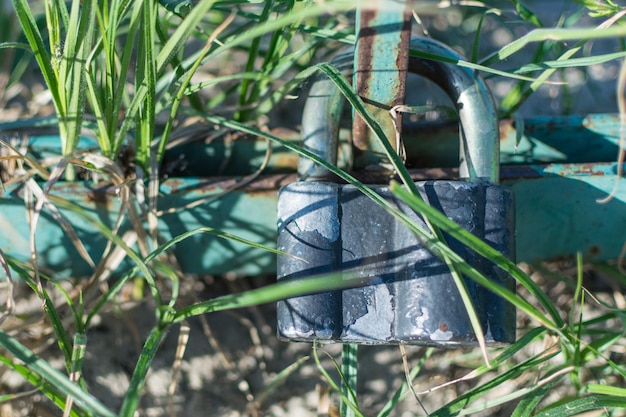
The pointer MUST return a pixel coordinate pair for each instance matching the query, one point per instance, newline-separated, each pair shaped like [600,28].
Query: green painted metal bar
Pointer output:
[557,216]
[380,69]
[557,209]
[536,140]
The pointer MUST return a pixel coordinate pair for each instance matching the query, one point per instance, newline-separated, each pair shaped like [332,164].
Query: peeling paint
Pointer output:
[441,336]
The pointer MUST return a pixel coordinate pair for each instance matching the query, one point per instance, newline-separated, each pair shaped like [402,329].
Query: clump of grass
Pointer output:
[124,71]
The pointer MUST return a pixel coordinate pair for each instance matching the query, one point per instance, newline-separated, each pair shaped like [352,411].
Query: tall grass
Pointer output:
[123,71]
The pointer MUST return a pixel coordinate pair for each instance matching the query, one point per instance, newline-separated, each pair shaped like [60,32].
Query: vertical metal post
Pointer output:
[381,63]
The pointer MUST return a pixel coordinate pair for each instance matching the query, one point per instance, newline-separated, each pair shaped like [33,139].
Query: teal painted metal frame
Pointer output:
[556,201]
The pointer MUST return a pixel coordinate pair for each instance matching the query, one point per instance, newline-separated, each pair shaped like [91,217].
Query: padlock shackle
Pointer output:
[479,135]
[321,118]
[479,156]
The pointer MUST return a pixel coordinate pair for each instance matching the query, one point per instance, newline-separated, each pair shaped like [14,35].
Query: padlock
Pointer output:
[411,296]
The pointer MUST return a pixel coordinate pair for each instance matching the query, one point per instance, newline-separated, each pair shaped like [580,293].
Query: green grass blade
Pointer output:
[527,405]
[49,390]
[72,73]
[35,40]
[512,103]
[580,405]
[571,62]
[104,140]
[178,7]
[333,384]
[146,80]
[15,45]
[273,59]
[290,18]
[527,392]
[459,406]
[186,79]
[138,380]
[470,65]
[501,359]
[117,286]
[194,88]
[63,339]
[54,377]
[253,54]
[178,71]
[527,14]
[270,293]
[176,41]
[279,380]
[349,374]
[79,347]
[596,347]
[555,34]
[117,66]
[606,390]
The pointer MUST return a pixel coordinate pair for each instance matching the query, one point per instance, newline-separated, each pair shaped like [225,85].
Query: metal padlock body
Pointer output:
[411,298]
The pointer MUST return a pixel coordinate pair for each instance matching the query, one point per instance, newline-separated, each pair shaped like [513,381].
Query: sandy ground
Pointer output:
[232,360]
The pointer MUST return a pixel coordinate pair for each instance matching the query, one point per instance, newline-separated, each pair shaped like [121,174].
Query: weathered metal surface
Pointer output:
[333,227]
[380,70]
[249,213]
[558,213]
[556,208]
[536,140]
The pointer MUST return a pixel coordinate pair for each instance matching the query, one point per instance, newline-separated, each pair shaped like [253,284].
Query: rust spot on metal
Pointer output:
[591,169]
[98,196]
[364,54]
[100,193]
[552,126]
[507,127]
[594,250]
[212,185]
[369,65]
[402,61]
[443,327]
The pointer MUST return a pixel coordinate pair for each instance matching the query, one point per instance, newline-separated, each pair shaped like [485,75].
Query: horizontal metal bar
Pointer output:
[557,216]
[573,139]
